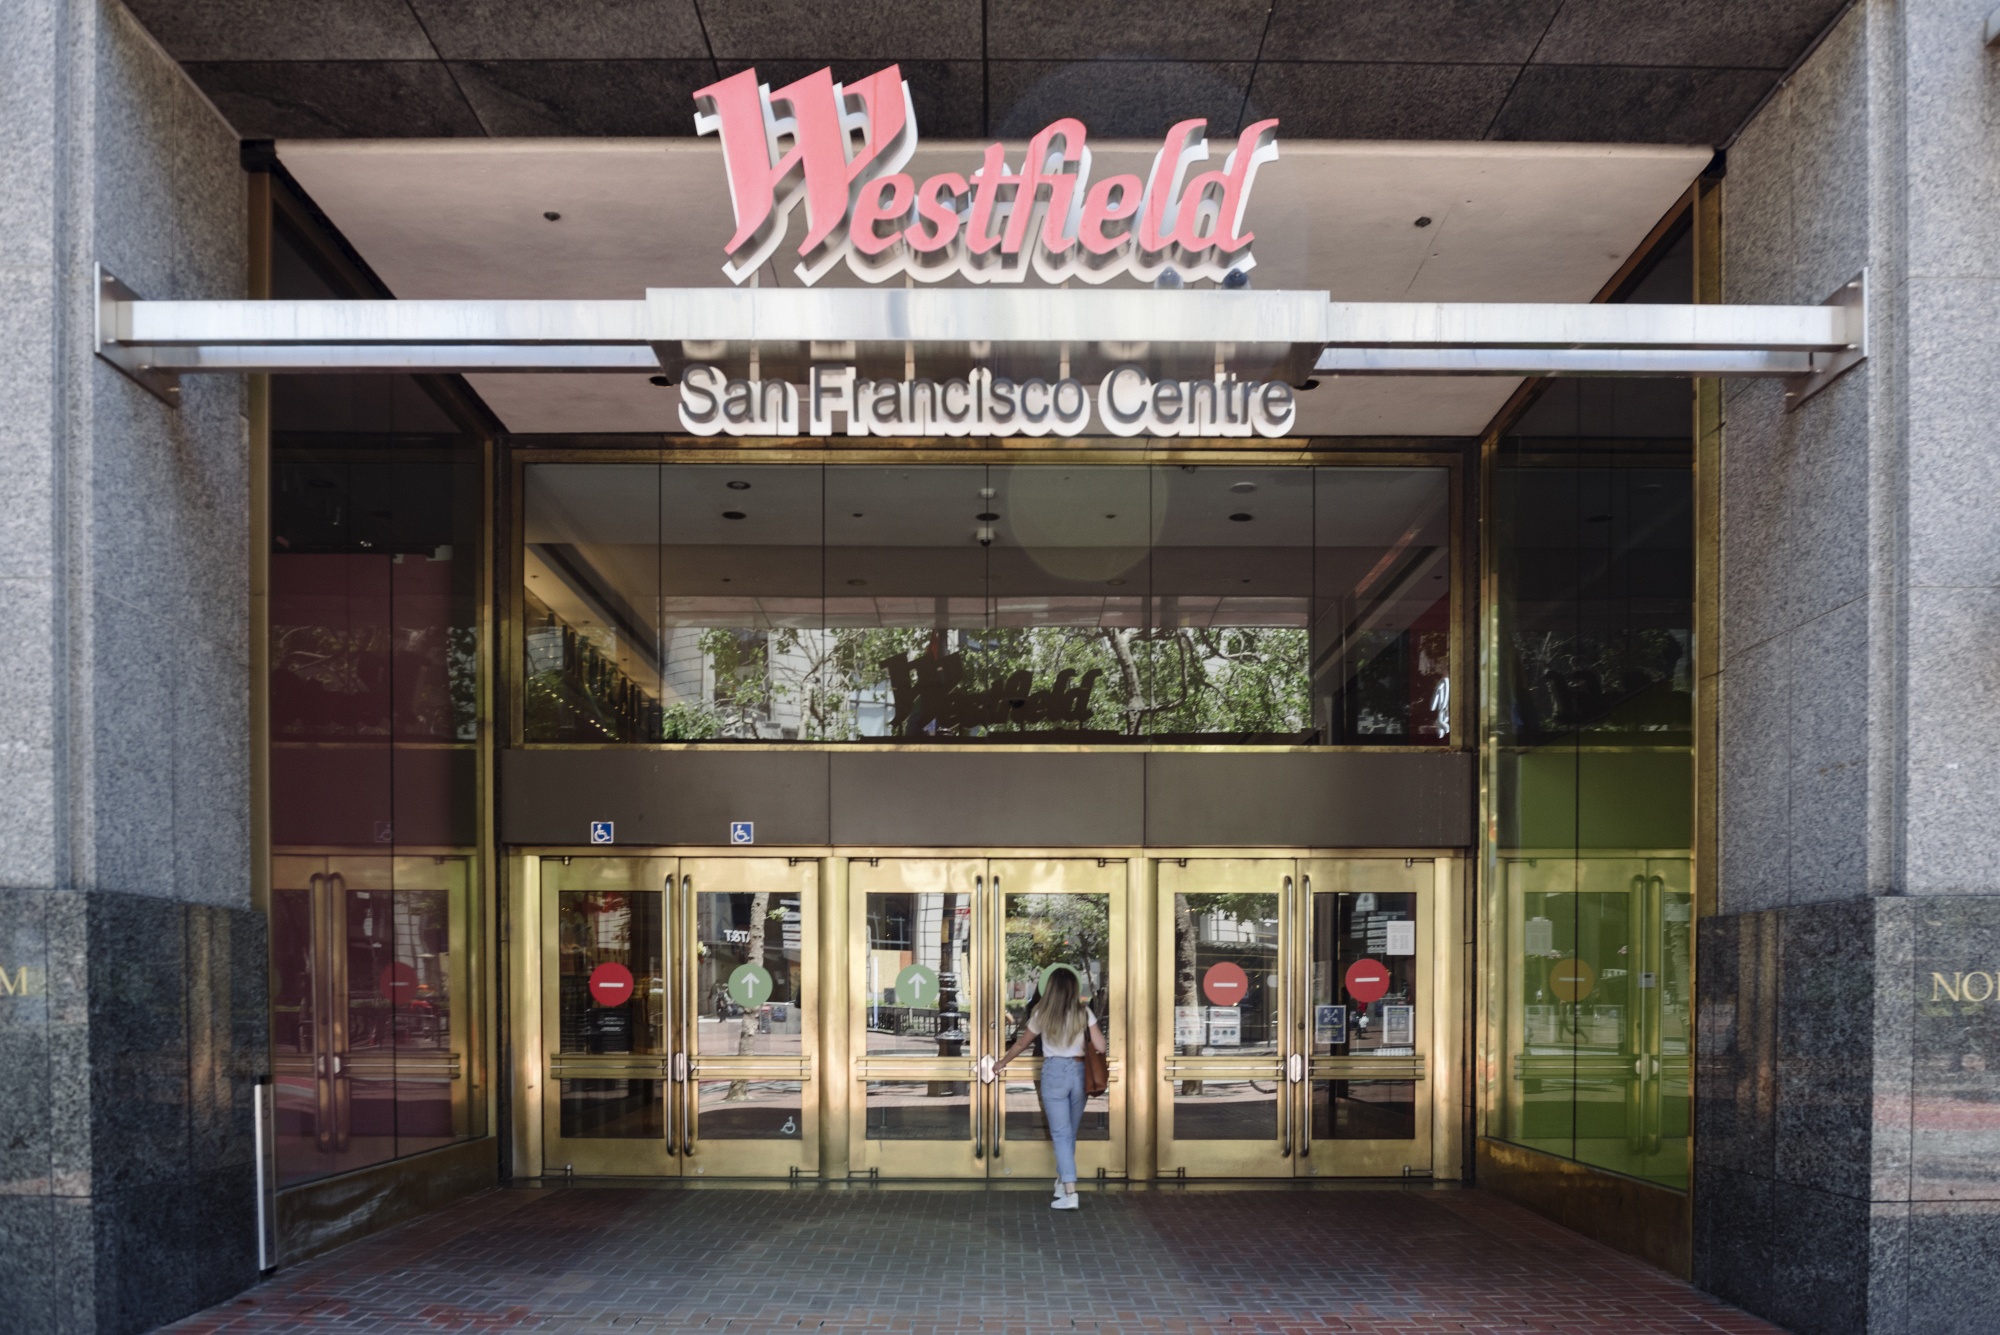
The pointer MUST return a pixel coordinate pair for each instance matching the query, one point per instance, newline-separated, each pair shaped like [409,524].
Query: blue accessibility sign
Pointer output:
[742,832]
[600,832]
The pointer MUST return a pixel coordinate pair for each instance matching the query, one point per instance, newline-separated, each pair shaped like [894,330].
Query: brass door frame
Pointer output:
[1140,1091]
[748,1157]
[986,1152]
[1436,1149]
[1229,1158]
[591,1156]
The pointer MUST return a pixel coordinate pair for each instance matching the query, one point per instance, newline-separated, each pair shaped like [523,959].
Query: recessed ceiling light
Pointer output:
[986,516]
[1114,582]
[1242,517]
[1423,222]
[1244,488]
[739,486]
[857,514]
[732,514]
[1111,516]
[553,216]
[857,583]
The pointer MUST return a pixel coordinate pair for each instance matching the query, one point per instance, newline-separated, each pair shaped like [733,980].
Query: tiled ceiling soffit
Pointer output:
[1609,71]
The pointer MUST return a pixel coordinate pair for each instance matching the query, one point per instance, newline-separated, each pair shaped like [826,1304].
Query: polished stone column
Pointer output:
[1847,1143]
[132,962]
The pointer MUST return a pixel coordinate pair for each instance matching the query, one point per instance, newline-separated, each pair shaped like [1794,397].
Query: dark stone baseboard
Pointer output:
[316,1217]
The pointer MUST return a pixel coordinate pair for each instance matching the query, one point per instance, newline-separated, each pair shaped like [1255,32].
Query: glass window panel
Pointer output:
[948,602]
[1590,722]
[591,603]
[1027,1121]
[1225,654]
[1349,928]
[1228,1108]
[427,989]
[748,961]
[1364,1110]
[1049,929]
[915,992]
[599,928]
[750,1110]
[612,1109]
[918,1110]
[1240,931]
[1382,606]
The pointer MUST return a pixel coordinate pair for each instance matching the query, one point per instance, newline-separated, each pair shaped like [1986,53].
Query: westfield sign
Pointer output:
[838,151]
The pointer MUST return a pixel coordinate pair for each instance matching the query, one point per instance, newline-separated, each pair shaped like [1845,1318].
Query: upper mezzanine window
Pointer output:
[1037,603]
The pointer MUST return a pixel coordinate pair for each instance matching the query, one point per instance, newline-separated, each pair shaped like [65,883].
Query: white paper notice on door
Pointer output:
[1225,1026]
[1189,1030]
[1398,1026]
[1402,939]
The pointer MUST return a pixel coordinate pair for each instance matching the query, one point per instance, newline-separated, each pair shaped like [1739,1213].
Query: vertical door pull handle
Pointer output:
[986,1075]
[1295,1068]
[680,1067]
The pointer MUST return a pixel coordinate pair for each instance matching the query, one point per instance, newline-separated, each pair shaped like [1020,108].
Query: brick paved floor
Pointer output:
[917,1261]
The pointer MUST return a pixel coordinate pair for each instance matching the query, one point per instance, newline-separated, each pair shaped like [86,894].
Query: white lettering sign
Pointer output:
[838,401]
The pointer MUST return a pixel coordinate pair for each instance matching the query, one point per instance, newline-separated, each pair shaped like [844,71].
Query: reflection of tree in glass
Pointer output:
[1236,907]
[752,951]
[1249,681]
[1057,929]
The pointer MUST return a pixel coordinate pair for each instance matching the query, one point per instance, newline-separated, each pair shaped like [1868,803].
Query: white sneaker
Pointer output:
[1066,1202]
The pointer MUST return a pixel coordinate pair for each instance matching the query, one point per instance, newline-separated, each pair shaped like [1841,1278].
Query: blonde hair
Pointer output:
[1061,1016]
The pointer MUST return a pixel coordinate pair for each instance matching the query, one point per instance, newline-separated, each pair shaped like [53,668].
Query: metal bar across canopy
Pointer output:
[776,334]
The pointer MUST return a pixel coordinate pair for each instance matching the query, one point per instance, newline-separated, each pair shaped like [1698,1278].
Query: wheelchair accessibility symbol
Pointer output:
[600,832]
[790,1128]
[742,832]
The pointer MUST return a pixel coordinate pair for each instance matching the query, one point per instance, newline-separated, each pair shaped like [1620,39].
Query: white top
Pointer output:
[1050,1048]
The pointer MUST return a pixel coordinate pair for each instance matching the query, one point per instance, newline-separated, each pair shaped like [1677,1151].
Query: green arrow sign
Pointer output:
[917,987]
[750,986]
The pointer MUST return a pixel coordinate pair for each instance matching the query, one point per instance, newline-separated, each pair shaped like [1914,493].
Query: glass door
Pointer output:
[606,989]
[948,956]
[1369,1026]
[1229,1038]
[1294,1016]
[748,1097]
[678,1016]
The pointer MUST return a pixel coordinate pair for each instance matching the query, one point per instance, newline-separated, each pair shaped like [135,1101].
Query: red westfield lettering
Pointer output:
[839,150]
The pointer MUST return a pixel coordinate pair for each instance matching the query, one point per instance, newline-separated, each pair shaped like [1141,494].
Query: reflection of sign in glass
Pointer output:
[1399,1026]
[1225,1026]
[1330,1023]
[1225,984]
[750,986]
[398,982]
[1402,939]
[931,694]
[917,987]
[1190,1030]
[1082,983]
[1572,980]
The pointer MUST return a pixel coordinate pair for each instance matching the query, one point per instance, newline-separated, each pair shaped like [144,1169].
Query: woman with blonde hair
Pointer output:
[1064,1024]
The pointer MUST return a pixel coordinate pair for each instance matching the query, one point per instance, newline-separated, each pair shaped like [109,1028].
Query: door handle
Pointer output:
[680,1068]
[1295,1068]
[986,1075]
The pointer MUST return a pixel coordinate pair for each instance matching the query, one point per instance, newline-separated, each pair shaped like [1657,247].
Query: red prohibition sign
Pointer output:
[1367,981]
[1225,984]
[611,985]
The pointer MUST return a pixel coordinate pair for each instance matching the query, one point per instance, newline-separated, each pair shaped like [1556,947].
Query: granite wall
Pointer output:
[132,962]
[1848,1115]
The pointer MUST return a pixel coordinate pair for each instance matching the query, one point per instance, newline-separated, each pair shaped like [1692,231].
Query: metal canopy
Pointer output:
[777,334]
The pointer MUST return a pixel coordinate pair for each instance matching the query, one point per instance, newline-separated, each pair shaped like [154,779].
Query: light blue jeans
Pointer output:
[1062,1100]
